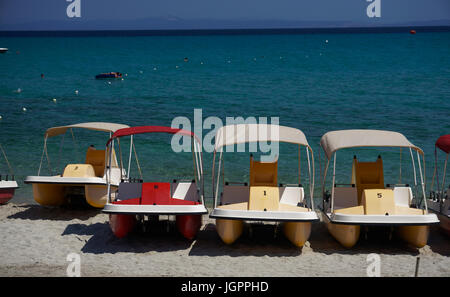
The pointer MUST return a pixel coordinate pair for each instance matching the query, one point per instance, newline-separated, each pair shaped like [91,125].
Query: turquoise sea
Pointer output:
[314,82]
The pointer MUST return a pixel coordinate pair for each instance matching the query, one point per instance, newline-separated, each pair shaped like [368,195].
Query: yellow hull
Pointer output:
[414,235]
[297,232]
[346,235]
[97,196]
[49,194]
[229,230]
[54,194]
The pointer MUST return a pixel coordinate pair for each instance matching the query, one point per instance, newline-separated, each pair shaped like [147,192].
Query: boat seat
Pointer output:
[79,170]
[263,173]
[185,191]
[129,191]
[234,194]
[345,197]
[378,202]
[97,159]
[159,194]
[403,196]
[264,198]
[291,195]
[367,175]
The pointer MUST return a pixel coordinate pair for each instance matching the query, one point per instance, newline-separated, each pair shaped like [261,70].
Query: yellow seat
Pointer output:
[97,159]
[264,198]
[264,193]
[378,202]
[263,173]
[79,170]
[367,175]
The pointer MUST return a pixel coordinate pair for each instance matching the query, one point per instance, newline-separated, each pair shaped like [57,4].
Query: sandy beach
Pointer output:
[35,241]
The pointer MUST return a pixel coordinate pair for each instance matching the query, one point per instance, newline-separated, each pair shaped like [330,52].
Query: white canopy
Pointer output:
[243,133]
[98,126]
[336,140]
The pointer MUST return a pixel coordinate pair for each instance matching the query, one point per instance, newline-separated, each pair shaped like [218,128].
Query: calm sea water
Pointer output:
[314,82]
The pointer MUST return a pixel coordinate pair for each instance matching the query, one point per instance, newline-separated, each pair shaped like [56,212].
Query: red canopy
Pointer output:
[150,129]
[443,143]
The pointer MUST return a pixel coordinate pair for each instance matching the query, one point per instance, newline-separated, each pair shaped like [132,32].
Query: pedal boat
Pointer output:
[262,198]
[439,201]
[366,201]
[78,180]
[135,202]
[7,183]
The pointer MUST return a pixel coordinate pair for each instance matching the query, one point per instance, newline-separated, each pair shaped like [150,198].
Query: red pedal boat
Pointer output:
[135,199]
[7,183]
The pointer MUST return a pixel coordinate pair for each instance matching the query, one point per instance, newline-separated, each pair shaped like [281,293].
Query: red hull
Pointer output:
[6,195]
[189,225]
[121,224]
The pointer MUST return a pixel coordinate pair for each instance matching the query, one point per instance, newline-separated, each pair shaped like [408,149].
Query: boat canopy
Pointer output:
[98,126]
[443,143]
[150,129]
[336,140]
[243,133]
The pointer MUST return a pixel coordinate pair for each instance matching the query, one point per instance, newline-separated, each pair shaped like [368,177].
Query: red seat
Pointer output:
[156,194]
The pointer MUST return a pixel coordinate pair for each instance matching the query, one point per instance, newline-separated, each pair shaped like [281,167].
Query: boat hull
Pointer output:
[444,224]
[229,230]
[346,235]
[6,194]
[55,194]
[121,224]
[189,225]
[414,235]
[297,232]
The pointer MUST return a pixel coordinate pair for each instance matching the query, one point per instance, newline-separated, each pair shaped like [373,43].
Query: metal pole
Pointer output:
[129,157]
[416,273]
[334,179]
[422,182]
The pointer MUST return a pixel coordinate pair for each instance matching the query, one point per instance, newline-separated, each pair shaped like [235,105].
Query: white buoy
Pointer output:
[24,109]
[54,99]
[154,68]
[201,63]
[18,90]
[141,71]
[176,66]
[109,83]
[122,78]
[0,117]
[76,92]
[126,74]
[326,41]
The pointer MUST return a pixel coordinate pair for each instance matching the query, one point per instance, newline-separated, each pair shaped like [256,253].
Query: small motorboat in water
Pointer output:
[439,201]
[109,75]
[135,200]
[3,50]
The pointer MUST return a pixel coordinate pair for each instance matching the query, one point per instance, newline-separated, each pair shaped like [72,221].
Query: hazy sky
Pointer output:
[20,11]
